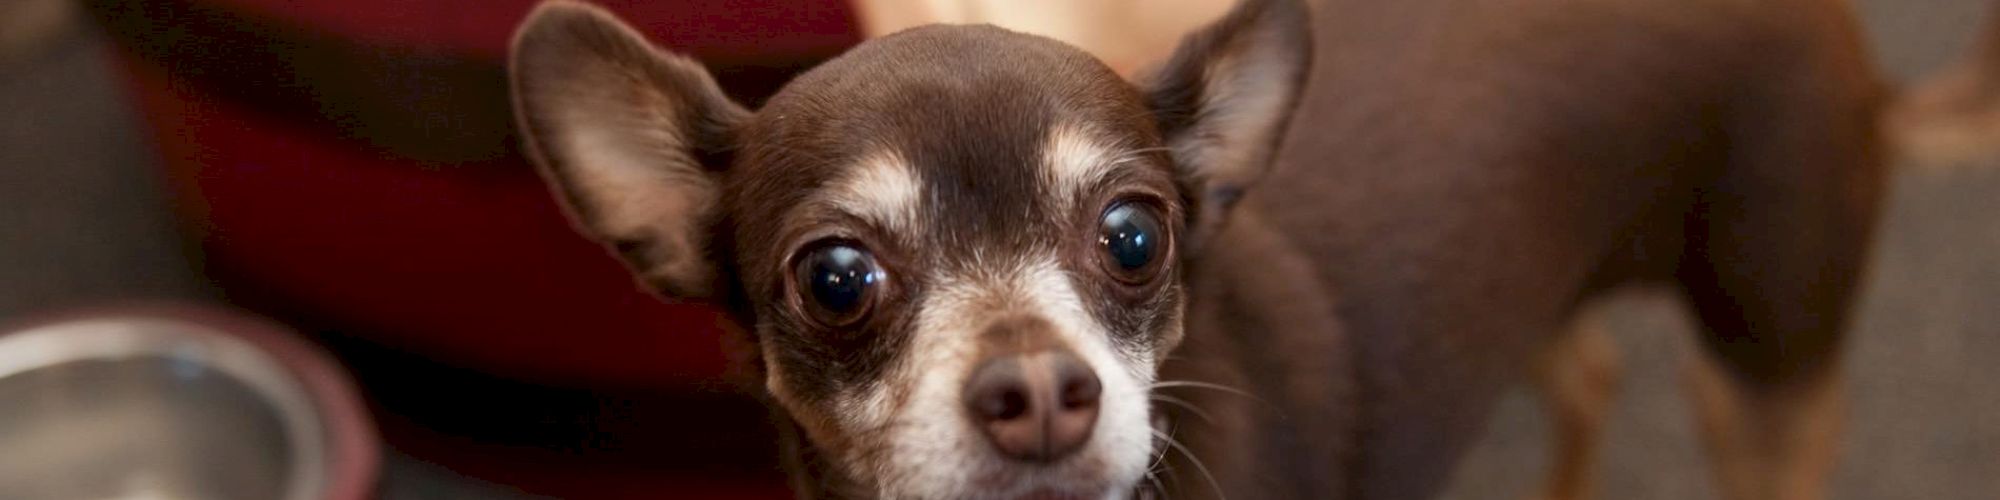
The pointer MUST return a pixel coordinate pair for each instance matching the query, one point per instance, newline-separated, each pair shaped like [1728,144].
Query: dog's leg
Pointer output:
[1771,283]
[1775,251]
[1766,384]
[1577,377]
[1766,444]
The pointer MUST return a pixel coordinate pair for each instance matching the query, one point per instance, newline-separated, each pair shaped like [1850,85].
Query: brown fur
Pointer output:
[969,132]
[1456,178]
[1460,176]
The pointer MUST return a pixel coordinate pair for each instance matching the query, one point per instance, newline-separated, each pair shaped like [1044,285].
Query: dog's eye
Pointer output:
[1131,237]
[838,283]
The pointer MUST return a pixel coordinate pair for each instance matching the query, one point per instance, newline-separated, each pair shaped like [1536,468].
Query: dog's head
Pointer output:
[958,248]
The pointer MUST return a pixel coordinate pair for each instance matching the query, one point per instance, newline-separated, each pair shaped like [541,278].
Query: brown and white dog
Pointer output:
[978,264]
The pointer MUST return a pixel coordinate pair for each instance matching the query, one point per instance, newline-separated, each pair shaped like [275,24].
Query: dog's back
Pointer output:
[1461,175]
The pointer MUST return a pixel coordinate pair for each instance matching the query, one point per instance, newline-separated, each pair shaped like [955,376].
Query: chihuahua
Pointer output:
[1300,259]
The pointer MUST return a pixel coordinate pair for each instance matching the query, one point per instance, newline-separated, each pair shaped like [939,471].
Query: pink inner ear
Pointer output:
[617,127]
[1223,101]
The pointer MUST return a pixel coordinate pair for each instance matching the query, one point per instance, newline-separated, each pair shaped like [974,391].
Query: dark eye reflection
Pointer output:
[1130,235]
[839,281]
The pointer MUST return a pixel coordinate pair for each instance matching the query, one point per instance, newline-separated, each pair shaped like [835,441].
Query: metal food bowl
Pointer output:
[176,403]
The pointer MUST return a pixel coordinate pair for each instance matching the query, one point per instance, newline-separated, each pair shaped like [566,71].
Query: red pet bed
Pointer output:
[353,162]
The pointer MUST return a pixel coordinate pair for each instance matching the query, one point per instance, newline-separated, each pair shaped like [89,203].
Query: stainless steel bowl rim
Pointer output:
[127,338]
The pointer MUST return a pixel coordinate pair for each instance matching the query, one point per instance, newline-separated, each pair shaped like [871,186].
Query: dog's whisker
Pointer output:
[1198,466]
[1166,384]
[1159,458]
[1173,477]
[1161,466]
[1203,385]
[1159,490]
[1184,404]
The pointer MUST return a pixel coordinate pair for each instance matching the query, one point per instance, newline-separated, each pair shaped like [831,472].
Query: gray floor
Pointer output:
[82,213]
[82,220]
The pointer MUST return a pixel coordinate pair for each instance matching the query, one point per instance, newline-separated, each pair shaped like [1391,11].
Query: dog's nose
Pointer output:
[1036,407]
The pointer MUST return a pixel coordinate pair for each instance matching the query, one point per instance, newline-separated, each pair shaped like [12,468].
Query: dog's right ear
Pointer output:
[632,138]
[1223,100]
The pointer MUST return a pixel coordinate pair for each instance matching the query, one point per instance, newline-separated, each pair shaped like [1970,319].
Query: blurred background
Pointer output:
[347,171]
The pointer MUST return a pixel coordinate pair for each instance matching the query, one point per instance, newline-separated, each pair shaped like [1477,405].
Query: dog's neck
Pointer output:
[1257,325]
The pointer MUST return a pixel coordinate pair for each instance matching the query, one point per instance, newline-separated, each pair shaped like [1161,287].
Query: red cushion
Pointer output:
[469,263]
[727,29]
[350,161]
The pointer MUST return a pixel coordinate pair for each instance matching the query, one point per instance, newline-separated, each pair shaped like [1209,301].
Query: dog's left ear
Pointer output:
[1222,102]
[634,139]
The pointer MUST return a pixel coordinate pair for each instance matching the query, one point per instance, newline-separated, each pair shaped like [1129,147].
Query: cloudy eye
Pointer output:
[838,283]
[1131,238]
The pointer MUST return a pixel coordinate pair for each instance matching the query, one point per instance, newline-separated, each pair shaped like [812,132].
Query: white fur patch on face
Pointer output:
[932,449]
[1075,158]
[881,188]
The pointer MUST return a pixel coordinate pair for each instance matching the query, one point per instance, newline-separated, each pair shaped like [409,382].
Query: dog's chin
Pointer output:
[1076,480]
[1057,483]
[1084,491]
[1098,491]
[961,466]
[1059,494]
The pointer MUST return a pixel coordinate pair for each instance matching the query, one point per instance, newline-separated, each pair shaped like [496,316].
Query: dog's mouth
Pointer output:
[1070,482]
[1054,494]
[1052,490]
[1081,493]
